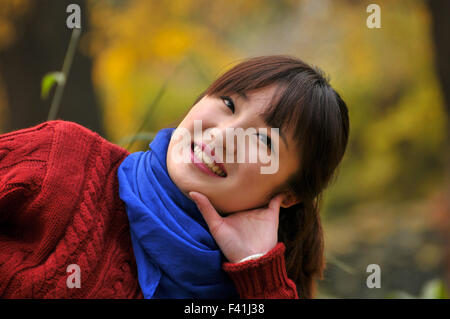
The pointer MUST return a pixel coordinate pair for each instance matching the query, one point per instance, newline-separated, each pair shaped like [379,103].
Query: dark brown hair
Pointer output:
[309,107]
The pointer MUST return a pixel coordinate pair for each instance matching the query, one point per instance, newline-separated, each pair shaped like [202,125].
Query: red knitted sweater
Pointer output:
[60,205]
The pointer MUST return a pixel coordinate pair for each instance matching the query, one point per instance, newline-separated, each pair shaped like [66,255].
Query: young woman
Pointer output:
[81,217]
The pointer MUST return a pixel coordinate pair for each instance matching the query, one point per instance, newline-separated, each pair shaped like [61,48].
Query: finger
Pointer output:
[275,203]
[209,213]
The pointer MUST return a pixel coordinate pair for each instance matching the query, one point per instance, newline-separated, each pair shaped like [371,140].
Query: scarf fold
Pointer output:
[176,255]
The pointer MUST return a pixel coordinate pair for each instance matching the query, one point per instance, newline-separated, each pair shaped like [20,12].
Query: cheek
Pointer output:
[202,114]
[251,180]
[201,110]
[255,188]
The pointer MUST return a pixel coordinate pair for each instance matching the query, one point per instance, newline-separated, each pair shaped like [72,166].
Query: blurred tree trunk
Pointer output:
[440,12]
[40,44]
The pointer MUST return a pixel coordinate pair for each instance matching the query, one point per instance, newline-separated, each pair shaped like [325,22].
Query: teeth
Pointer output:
[208,161]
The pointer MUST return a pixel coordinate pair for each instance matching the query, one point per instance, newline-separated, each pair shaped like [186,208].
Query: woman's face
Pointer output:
[244,186]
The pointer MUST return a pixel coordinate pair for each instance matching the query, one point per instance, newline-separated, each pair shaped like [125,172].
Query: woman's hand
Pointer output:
[244,233]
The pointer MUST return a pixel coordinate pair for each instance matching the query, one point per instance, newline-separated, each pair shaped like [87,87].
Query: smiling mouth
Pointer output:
[207,164]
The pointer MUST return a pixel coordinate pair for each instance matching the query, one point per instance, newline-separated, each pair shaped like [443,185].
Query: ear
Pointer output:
[289,199]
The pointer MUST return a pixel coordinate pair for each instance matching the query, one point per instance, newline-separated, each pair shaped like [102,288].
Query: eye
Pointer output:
[265,139]
[228,102]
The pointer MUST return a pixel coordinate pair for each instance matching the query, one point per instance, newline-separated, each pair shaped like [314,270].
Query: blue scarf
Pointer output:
[175,253]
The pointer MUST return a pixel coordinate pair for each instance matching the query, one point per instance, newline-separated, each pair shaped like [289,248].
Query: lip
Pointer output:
[202,166]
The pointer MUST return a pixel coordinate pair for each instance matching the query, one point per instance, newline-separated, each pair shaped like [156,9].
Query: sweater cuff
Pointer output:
[258,277]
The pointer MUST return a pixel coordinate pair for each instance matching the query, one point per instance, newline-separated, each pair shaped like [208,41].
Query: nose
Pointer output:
[220,135]
[220,145]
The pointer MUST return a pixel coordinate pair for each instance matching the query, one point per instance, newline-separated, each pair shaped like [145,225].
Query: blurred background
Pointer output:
[140,64]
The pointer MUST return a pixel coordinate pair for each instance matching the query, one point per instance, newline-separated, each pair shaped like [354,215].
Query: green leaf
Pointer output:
[434,289]
[49,80]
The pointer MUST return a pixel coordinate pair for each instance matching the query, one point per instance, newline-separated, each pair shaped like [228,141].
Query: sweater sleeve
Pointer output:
[263,278]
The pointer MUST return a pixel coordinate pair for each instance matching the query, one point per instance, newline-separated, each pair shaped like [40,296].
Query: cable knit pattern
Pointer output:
[69,213]
[60,205]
